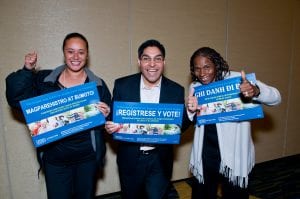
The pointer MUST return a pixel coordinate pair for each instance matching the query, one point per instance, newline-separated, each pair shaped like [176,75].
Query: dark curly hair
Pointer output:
[221,65]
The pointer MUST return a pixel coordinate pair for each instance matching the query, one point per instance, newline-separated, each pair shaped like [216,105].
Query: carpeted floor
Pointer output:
[275,179]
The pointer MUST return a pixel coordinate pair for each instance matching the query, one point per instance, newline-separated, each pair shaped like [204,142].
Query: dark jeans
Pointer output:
[76,181]
[148,179]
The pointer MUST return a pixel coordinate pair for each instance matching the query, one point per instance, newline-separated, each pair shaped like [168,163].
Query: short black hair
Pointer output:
[151,43]
[75,35]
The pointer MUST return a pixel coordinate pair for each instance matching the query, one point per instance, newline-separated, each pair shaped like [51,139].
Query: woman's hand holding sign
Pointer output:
[247,89]
[103,108]
[192,102]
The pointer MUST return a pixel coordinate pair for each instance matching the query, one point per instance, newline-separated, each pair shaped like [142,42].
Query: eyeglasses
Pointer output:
[147,60]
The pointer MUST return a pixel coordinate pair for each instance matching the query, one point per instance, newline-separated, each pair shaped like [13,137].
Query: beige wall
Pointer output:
[258,36]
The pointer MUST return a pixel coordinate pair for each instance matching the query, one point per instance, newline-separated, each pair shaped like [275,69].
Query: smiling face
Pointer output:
[151,64]
[75,53]
[204,70]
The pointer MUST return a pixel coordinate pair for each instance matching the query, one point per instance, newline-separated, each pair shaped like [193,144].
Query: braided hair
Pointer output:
[221,65]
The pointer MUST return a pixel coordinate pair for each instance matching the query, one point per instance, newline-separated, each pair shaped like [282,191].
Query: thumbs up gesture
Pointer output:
[191,101]
[247,89]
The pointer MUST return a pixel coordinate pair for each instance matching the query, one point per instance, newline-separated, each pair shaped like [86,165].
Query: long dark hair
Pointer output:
[221,65]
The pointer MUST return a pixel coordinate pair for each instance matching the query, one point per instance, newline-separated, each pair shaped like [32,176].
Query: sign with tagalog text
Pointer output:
[53,116]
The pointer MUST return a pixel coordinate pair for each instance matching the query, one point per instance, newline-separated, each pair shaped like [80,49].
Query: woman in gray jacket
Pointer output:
[69,164]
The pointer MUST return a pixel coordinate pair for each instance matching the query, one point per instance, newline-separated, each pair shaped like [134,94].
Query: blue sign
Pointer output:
[221,101]
[148,122]
[55,115]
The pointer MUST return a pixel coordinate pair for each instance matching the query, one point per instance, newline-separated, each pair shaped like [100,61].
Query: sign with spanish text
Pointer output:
[148,122]
[221,101]
[53,116]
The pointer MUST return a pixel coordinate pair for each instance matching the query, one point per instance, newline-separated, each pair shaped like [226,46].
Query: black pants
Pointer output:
[76,181]
[209,189]
[148,179]
[211,159]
